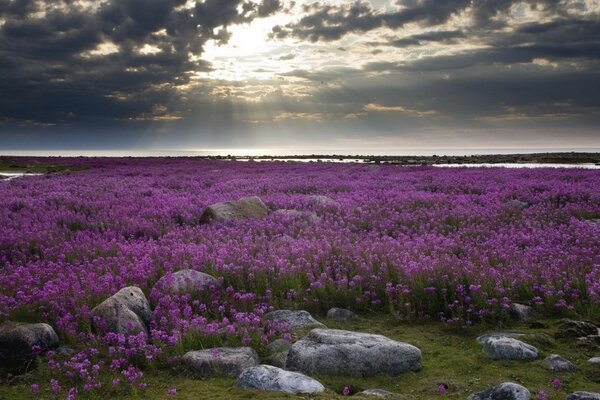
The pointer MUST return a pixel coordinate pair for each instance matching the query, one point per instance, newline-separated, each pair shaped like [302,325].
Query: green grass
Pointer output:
[450,356]
[9,165]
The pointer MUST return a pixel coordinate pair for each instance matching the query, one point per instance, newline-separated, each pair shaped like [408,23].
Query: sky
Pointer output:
[323,76]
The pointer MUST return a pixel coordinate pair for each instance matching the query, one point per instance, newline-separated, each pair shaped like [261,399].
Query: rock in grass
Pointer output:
[572,329]
[296,319]
[309,215]
[520,312]
[483,338]
[338,352]
[17,344]
[507,348]
[126,312]
[221,361]
[340,314]
[504,391]
[278,350]
[556,363]
[583,396]
[244,208]
[376,393]
[273,379]
[594,360]
[186,281]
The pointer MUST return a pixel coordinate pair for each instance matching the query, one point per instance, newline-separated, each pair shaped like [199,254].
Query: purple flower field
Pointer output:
[457,245]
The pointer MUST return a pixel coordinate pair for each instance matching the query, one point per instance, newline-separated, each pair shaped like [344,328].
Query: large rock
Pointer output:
[583,396]
[295,319]
[126,312]
[340,314]
[273,379]
[337,352]
[507,348]
[186,281]
[556,363]
[504,391]
[244,208]
[17,344]
[221,361]
[520,312]
[572,329]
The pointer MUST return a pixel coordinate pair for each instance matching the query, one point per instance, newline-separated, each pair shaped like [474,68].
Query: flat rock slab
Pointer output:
[273,379]
[340,314]
[295,319]
[338,352]
[16,344]
[186,281]
[504,391]
[584,396]
[556,363]
[244,208]
[221,361]
[376,393]
[572,329]
[507,348]
[127,312]
[594,360]
[483,338]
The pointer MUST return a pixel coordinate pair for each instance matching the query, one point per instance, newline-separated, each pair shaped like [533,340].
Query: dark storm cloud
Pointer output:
[436,36]
[53,68]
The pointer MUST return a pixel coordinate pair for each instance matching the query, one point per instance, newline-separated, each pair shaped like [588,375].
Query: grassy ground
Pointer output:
[450,356]
[10,165]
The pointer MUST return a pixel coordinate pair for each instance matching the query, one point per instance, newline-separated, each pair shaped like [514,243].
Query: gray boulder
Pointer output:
[520,312]
[340,314]
[483,338]
[376,393]
[504,391]
[278,350]
[16,344]
[556,363]
[277,346]
[322,201]
[518,204]
[186,281]
[583,396]
[337,352]
[295,319]
[244,208]
[221,361]
[572,329]
[309,215]
[594,360]
[507,348]
[126,312]
[273,379]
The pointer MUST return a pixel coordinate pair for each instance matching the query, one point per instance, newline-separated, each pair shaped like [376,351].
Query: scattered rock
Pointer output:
[323,201]
[520,312]
[278,350]
[556,363]
[186,281]
[16,344]
[483,338]
[504,391]
[340,314]
[244,208]
[221,361]
[508,348]
[273,379]
[594,360]
[126,312]
[518,204]
[65,351]
[571,329]
[337,352]
[296,319]
[311,216]
[376,392]
[583,396]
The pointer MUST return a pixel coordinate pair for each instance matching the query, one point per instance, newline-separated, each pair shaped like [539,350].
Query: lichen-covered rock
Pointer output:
[277,346]
[186,281]
[127,312]
[340,314]
[244,208]
[556,363]
[17,344]
[376,393]
[338,352]
[296,319]
[584,396]
[504,391]
[273,379]
[572,329]
[221,361]
[507,348]
[520,312]
[278,350]
[594,360]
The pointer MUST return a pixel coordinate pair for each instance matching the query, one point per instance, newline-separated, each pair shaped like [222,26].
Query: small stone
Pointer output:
[309,215]
[186,281]
[518,204]
[572,329]
[273,379]
[323,201]
[504,391]
[295,319]
[583,396]
[340,314]
[244,208]
[520,312]
[376,392]
[506,348]
[221,361]
[556,363]
[127,312]
[594,360]
[17,344]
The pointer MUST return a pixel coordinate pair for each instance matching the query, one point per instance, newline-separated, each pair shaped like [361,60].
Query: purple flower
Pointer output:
[172,392]
[556,384]
[346,391]
[442,388]
[542,395]
[35,388]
